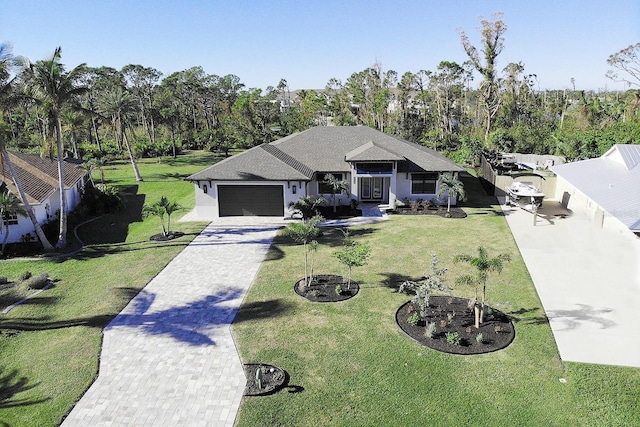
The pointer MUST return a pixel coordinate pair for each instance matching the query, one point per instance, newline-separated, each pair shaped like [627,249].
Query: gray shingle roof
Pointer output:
[612,181]
[322,149]
[370,152]
[261,163]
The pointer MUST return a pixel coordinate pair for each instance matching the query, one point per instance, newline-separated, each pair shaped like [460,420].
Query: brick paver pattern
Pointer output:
[169,358]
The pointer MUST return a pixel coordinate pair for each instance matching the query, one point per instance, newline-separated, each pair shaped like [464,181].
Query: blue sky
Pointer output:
[308,42]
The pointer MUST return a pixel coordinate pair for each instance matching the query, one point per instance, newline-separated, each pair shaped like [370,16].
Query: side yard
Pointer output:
[49,346]
[350,364]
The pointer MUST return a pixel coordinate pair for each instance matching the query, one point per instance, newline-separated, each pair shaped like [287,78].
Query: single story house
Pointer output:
[39,177]
[262,181]
[607,188]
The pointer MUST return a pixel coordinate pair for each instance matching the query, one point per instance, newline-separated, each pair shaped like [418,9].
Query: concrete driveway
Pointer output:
[588,280]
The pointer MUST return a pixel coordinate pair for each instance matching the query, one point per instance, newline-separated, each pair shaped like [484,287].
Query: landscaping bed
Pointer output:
[441,211]
[452,315]
[324,288]
[273,379]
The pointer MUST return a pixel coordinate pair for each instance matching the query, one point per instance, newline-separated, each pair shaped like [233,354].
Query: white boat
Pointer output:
[524,193]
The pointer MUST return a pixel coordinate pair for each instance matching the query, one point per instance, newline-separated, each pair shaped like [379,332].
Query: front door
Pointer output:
[371,188]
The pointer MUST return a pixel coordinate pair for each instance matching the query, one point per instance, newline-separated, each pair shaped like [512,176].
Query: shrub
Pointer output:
[338,290]
[37,282]
[413,319]
[479,338]
[431,329]
[24,276]
[453,338]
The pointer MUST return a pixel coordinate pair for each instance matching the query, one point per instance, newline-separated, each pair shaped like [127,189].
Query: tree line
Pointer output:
[102,112]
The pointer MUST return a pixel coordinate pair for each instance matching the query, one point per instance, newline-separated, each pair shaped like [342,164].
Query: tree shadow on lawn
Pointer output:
[12,384]
[394,280]
[262,310]
[524,316]
[114,228]
[190,323]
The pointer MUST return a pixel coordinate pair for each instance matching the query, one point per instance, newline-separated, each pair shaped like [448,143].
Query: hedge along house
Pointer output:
[39,177]
[262,181]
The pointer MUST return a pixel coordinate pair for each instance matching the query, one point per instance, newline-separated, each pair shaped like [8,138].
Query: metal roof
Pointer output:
[612,181]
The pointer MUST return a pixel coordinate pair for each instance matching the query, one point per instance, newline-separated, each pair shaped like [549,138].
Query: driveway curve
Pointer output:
[169,358]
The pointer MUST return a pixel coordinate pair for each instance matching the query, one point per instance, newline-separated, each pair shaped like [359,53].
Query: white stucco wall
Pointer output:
[403,186]
[576,201]
[44,213]
[207,206]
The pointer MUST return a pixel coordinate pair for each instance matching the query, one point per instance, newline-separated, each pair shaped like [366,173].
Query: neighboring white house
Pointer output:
[39,177]
[262,181]
[606,188]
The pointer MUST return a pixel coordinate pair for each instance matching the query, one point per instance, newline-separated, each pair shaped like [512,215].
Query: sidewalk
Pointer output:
[588,280]
[168,358]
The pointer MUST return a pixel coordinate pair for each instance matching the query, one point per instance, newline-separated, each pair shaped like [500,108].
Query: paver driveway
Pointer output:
[168,358]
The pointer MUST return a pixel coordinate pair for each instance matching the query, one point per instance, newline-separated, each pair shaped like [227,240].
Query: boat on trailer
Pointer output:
[524,193]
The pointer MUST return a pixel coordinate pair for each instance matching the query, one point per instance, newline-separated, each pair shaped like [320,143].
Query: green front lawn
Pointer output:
[49,346]
[352,365]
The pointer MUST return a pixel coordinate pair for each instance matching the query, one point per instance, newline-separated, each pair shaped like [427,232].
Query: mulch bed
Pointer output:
[323,288]
[164,238]
[273,379]
[497,330]
[455,212]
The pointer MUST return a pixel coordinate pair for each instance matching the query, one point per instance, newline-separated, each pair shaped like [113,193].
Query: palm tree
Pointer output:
[99,164]
[118,104]
[72,121]
[170,208]
[47,83]
[484,265]
[305,233]
[9,206]
[307,206]
[5,133]
[156,209]
[337,186]
[451,186]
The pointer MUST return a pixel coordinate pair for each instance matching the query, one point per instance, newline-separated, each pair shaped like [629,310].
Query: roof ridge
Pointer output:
[288,160]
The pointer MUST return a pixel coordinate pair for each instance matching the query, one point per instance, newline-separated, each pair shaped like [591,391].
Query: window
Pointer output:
[374,168]
[205,188]
[10,219]
[423,183]
[324,188]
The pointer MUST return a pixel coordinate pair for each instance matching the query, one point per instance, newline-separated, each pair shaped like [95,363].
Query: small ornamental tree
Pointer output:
[426,286]
[452,187]
[353,254]
[305,233]
[484,265]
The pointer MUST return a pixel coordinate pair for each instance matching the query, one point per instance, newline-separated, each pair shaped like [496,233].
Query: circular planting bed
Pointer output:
[164,238]
[452,315]
[327,288]
[272,379]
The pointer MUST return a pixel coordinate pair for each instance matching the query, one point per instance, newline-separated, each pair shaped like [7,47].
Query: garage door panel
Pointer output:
[251,200]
